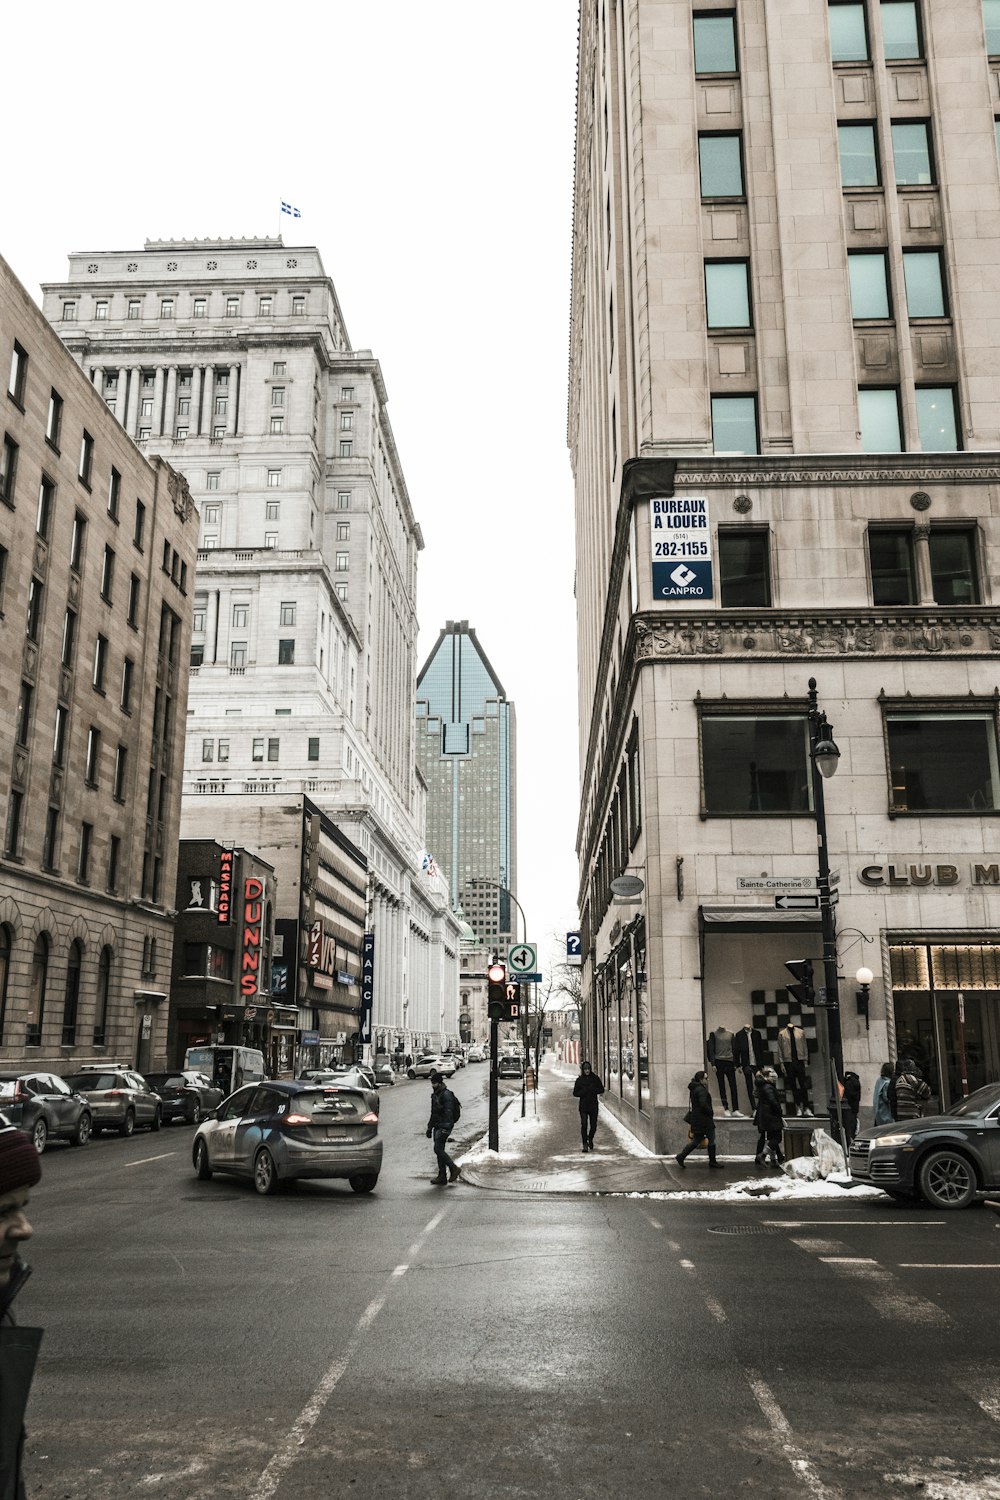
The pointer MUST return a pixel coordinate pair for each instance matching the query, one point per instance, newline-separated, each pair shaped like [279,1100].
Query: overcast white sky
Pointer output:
[430,149]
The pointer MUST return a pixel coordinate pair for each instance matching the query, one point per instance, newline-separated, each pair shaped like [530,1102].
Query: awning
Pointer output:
[756,919]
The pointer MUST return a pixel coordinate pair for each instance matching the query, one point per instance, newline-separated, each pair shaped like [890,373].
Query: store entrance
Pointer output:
[946,1002]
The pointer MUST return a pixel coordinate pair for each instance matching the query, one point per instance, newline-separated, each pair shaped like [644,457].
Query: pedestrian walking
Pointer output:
[588,1088]
[408,1060]
[881,1106]
[768,1118]
[20,1169]
[445,1110]
[701,1119]
[910,1090]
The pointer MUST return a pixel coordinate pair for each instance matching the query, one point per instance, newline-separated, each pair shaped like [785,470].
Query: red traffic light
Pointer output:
[497,973]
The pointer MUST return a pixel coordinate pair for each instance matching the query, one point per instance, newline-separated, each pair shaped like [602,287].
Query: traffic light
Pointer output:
[801,969]
[513,1002]
[496,992]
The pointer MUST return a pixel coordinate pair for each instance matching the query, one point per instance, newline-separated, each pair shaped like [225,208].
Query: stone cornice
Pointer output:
[807,634]
[944,468]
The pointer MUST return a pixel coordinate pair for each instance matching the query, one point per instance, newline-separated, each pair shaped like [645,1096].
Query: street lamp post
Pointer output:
[824,757]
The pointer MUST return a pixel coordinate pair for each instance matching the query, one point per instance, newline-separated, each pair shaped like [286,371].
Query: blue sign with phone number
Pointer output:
[681,547]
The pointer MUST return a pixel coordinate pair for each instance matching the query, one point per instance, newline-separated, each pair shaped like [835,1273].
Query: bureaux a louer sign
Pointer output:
[680,532]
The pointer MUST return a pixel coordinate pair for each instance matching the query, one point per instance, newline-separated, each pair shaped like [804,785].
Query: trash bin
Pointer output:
[795,1141]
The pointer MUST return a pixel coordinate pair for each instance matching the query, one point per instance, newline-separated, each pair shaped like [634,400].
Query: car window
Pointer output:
[327,1104]
[55,1085]
[264,1102]
[236,1104]
[93,1082]
[977,1103]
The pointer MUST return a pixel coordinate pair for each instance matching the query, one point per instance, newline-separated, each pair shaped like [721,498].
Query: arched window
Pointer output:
[71,1003]
[6,943]
[39,983]
[103,996]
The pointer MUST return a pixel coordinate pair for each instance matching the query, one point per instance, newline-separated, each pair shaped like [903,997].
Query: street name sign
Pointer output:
[522,957]
[768,883]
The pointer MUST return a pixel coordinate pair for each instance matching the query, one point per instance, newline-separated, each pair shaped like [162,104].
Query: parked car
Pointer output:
[118,1099]
[459,1057]
[46,1107]
[185,1095]
[383,1070]
[510,1067]
[949,1160]
[280,1131]
[476,1054]
[432,1062]
[351,1075]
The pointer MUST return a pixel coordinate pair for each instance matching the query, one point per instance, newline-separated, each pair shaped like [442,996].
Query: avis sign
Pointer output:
[681,546]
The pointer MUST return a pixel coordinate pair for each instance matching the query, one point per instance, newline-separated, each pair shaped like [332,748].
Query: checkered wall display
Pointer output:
[773,1009]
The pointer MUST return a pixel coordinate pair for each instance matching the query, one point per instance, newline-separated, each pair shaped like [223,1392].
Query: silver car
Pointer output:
[118,1098]
[279,1131]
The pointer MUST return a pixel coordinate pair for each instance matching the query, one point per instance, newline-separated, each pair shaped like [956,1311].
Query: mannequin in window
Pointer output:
[793,1054]
[749,1057]
[720,1055]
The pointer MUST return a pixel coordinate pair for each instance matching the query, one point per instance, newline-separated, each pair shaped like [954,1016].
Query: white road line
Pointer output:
[143,1160]
[673,1245]
[715,1308]
[688,1265]
[779,1425]
[282,1460]
[867,1223]
[882,1292]
[815,1245]
[655,1222]
[969,1265]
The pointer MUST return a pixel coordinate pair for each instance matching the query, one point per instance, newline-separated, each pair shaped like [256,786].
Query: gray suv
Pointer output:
[46,1107]
[118,1099]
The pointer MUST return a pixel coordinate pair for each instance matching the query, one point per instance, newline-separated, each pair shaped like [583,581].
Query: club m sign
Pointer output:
[253,930]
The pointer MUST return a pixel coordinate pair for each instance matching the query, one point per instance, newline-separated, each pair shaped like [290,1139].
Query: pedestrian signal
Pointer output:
[513,1002]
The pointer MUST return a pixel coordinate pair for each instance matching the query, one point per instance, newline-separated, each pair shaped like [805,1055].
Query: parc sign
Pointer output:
[680,539]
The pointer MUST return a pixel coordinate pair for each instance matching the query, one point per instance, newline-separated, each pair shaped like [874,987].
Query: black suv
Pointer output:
[44,1105]
[949,1160]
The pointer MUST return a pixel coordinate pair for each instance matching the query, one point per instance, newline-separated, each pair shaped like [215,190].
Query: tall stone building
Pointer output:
[783,424]
[232,358]
[97,554]
[466,748]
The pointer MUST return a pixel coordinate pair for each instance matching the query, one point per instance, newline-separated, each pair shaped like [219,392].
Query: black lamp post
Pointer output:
[824,757]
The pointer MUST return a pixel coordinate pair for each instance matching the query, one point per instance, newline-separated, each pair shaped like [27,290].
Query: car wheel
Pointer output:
[202,1165]
[157,1119]
[947,1179]
[39,1134]
[83,1131]
[194,1118]
[410,1073]
[265,1173]
[364,1182]
[127,1126]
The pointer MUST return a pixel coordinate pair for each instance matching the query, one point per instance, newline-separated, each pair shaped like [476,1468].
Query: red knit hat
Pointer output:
[19,1163]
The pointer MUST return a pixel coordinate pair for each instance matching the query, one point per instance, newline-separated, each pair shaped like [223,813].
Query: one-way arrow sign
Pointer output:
[796,903]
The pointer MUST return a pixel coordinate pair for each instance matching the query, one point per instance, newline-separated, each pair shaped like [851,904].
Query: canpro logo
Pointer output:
[682,576]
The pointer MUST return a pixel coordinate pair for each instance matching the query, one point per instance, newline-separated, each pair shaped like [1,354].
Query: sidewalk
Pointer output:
[541,1153]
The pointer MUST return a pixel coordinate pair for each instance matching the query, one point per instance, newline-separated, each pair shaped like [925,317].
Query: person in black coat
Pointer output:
[588,1089]
[701,1119]
[768,1117]
[20,1169]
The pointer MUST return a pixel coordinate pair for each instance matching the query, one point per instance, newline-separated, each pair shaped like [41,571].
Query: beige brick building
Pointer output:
[783,423]
[97,554]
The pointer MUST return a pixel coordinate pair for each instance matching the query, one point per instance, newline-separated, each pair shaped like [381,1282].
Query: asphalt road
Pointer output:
[204,1342]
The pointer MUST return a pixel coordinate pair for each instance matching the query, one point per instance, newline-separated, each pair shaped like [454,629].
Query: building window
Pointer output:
[77,538]
[278,369]
[232,307]
[181,434]
[734,424]
[221,405]
[134,310]
[744,568]
[59,736]
[286,653]
[93,756]
[257,752]
[277,425]
[223,750]
[8,471]
[347,421]
[858,156]
[53,420]
[101,311]
[727,293]
[274,479]
[200,307]
[298,307]
[272,749]
[166,307]
[347,393]
[128,670]
[134,593]
[277,395]
[50,839]
[313,748]
[46,504]
[991,19]
[211,518]
[12,832]
[343,561]
[937,418]
[33,622]
[346,448]
[755,763]
[140,525]
[288,608]
[100,662]
[942,761]
[343,499]
[22,724]
[343,531]
[207,750]
[69,312]
[924,275]
[890,554]
[954,574]
[848,32]
[911,153]
[83,866]
[108,574]
[212,480]
[715,42]
[272,510]
[238,655]
[881,430]
[720,165]
[68,637]
[218,433]
[264,305]
[241,616]
[869,276]
[900,30]
[86,459]
[39,985]
[18,374]
[341,589]
[184,406]
[121,771]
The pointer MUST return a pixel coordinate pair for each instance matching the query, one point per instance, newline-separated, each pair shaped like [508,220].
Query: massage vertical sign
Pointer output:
[681,547]
[253,928]
[367,985]
[225,912]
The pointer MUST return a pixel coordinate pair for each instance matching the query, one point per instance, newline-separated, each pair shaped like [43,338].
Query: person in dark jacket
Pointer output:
[588,1088]
[909,1091]
[440,1125]
[768,1117]
[20,1169]
[701,1119]
[881,1106]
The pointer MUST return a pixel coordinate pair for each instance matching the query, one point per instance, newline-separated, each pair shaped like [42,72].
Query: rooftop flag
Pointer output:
[286,208]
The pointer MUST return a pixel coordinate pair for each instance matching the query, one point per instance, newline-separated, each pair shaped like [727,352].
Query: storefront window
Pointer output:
[946,1002]
[626,992]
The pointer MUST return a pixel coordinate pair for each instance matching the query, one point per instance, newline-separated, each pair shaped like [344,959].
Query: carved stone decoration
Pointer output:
[841,635]
[41,556]
[65,686]
[742,503]
[856,474]
[73,591]
[20,767]
[921,500]
[29,662]
[180,494]
[55,789]
[922,532]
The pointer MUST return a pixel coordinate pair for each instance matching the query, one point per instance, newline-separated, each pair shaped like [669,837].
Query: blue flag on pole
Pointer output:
[286,208]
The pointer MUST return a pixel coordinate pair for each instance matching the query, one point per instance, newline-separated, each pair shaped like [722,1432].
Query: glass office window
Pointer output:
[924,283]
[734,424]
[991,21]
[727,293]
[936,418]
[715,42]
[942,762]
[721,166]
[911,153]
[890,552]
[900,30]
[754,763]
[858,155]
[880,426]
[869,285]
[953,565]
[848,33]
[744,568]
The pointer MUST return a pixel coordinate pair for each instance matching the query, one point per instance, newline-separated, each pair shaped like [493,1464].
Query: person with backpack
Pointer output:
[446,1111]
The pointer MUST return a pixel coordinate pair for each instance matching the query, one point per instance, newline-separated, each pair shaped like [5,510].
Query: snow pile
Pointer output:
[778,1189]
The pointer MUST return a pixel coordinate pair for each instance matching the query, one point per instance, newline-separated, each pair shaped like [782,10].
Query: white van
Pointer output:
[229,1068]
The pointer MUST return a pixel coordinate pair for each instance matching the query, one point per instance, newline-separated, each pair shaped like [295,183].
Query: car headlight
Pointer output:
[901,1138]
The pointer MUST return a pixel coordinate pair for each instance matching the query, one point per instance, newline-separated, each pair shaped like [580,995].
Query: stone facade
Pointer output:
[674,686]
[97,556]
